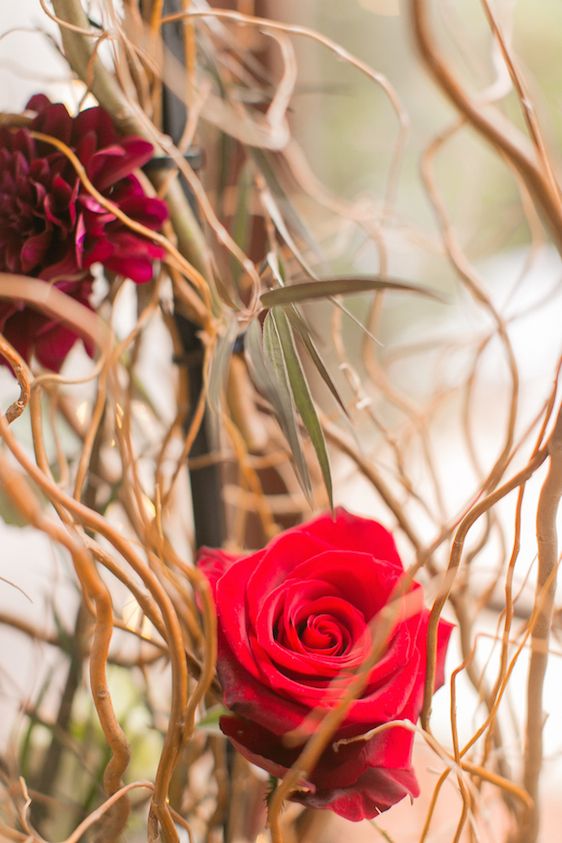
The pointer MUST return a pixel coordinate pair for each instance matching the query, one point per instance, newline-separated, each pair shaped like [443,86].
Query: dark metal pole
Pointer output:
[206,482]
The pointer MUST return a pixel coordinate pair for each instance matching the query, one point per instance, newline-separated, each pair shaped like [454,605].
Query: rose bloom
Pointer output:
[51,227]
[296,621]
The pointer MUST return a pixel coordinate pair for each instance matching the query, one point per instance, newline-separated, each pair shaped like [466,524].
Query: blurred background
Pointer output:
[368,211]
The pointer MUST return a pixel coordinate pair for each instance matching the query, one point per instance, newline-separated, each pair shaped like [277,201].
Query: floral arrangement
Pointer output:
[203,413]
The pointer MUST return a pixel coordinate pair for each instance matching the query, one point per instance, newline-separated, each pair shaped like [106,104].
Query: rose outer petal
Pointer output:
[358,781]
[345,531]
[248,695]
[374,792]
[214,563]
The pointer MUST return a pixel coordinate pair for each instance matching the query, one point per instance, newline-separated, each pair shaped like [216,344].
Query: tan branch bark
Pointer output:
[547,543]
[79,49]
[455,558]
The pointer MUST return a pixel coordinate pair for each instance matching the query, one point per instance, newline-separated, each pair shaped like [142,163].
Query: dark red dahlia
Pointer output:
[53,229]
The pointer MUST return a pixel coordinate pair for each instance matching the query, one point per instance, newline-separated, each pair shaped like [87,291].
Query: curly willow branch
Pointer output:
[490,124]
[94,586]
[454,562]
[547,542]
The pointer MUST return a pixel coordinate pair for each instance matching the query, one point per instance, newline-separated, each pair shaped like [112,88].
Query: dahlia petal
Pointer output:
[38,103]
[139,270]
[51,211]
[53,345]
[138,150]
[96,121]
[126,188]
[80,239]
[62,191]
[34,250]
[86,146]
[90,203]
[15,330]
[54,120]
[100,252]
[21,165]
[111,164]
[147,210]
[65,266]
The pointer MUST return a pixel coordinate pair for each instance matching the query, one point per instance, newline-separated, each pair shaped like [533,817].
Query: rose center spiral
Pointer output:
[324,634]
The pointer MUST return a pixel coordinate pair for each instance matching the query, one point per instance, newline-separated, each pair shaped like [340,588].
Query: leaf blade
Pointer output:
[274,385]
[302,397]
[299,325]
[327,287]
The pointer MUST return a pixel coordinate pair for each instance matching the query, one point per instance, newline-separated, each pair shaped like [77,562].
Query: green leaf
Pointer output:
[241,223]
[210,721]
[384,834]
[299,325]
[269,165]
[273,382]
[327,287]
[219,364]
[279,208]
[301,394]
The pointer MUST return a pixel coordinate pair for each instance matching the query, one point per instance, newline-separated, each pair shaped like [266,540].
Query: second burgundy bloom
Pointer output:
[53,229]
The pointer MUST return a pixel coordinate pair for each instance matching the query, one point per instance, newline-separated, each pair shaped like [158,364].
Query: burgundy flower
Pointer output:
[53,229]
[295,622]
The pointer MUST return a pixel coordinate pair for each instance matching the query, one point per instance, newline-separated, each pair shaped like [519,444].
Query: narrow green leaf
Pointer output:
[241,222]
[279,208]
[210,721]
[219,364]
[301,395]
[327,287]
[268,163]
[299,325]
[384,834]
[279,223]
[272,381]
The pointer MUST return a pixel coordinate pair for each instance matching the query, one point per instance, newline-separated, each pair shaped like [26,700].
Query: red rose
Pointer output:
[295,622]
[53,229]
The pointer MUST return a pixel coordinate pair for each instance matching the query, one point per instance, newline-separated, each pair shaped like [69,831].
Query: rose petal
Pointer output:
[278,561]
[214,563]
[375,791]
[345,531]
[250,698]
[360,578]
[348,780]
